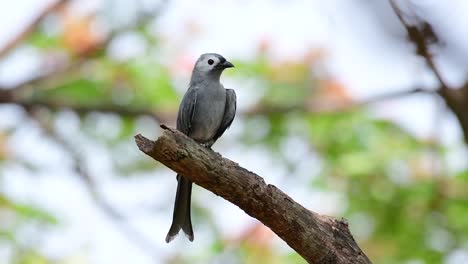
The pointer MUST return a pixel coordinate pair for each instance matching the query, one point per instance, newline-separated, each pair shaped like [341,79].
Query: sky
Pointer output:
[363,50]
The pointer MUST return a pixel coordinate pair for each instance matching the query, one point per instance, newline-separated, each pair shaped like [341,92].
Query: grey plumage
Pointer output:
[206,111]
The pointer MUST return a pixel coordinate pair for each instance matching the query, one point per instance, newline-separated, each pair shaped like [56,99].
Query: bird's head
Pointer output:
[211,64]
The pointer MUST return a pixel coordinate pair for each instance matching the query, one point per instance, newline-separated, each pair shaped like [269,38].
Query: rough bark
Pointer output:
[457,101]
[317,238]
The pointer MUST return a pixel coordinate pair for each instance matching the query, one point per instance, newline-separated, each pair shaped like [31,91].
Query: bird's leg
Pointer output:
[208,144]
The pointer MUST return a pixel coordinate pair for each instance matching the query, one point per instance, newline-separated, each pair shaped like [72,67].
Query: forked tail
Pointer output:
[181,218]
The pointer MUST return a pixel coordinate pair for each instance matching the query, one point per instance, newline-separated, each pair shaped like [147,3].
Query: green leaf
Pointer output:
[84,92]
[42,40]
[27,211]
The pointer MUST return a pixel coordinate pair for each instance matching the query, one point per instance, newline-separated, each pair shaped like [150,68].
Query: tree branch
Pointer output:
[11,97]
[327,108]
[141,20]
[422,36]
[15,41]
[317,238]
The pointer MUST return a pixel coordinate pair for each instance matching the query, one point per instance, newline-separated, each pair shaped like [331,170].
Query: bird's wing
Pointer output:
[187,111]
[229,113]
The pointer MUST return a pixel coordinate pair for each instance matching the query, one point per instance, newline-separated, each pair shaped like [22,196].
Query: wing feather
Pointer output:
[229,113]
[187,111]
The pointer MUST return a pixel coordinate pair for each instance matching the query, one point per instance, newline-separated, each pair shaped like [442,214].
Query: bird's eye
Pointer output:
[210,62]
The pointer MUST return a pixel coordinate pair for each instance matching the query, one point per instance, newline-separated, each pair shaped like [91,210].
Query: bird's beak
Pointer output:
[227,64]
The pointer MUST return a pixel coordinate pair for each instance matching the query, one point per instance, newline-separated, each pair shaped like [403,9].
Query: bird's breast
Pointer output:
[209,112]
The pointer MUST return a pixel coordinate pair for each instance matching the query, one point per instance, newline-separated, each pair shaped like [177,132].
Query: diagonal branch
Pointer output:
[18,39]
[317,238]
[143,19]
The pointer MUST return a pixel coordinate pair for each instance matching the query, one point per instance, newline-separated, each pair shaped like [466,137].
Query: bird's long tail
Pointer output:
[181,218]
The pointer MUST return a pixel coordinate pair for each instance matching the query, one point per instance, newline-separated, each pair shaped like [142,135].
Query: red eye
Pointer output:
[210,61]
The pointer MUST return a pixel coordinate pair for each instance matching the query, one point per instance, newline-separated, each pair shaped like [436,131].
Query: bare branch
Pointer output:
[317,238]
[390,96]
[421,38]
[327,108]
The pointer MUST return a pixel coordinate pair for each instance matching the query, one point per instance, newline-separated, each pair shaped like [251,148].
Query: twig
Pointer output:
[311,108]
[421,38]
[317,238]
[15,41]
[456,99]
[142,19]
[390,96]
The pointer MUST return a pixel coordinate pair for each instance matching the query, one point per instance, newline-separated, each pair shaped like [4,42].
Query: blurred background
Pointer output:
[335,107]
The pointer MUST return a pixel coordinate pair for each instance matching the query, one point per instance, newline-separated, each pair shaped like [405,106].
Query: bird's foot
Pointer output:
[206,145]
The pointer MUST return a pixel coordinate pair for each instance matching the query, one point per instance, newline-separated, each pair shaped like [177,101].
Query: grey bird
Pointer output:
[206,111]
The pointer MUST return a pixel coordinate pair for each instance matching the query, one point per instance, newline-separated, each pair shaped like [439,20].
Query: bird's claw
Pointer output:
[206,145]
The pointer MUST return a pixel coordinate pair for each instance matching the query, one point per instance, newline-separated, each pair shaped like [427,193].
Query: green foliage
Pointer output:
[381,170]
[44,41]
[136,84]
[15,217]
[154,84]
[82,91]
[25,211]
[29,257]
